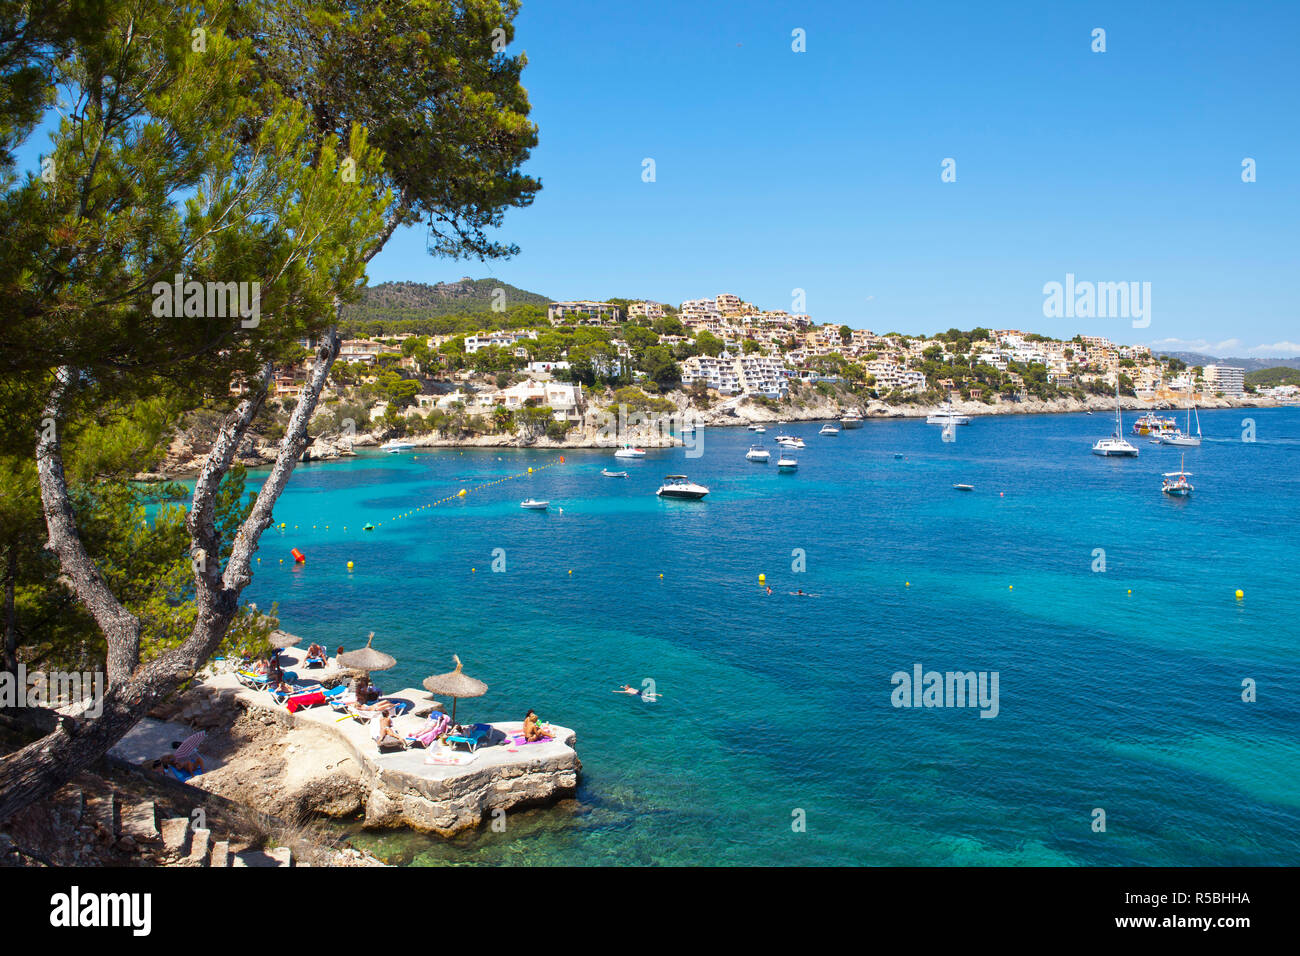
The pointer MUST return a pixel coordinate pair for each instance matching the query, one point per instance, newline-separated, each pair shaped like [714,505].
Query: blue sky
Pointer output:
[820,170]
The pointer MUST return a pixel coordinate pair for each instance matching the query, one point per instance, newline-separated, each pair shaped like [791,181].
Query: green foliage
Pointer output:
[1268,377]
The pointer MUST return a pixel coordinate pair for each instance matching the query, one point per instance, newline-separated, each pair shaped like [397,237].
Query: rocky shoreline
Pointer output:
[185,456]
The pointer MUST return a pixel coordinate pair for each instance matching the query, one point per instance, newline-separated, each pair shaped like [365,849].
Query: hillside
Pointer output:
[1249,364]
[1278,375]
[416,299]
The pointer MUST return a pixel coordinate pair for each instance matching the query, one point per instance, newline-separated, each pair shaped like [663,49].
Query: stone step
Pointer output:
[104,814]
[220,854]
[176,835]
[140,822]
[200,847]
[278,856]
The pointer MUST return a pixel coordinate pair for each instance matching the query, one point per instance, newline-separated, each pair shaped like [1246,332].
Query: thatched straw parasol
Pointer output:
[367,659]
[455,685]
[282,639]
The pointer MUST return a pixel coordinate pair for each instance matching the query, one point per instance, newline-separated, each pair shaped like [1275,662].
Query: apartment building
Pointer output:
[1227,379]
[582,312]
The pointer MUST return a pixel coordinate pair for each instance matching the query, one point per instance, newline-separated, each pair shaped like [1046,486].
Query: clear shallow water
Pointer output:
[774,704]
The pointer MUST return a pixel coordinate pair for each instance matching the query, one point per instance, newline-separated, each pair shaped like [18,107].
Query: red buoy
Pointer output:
[298,556]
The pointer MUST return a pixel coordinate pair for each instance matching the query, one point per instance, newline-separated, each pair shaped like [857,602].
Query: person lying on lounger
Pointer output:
[317,653]
[384,706]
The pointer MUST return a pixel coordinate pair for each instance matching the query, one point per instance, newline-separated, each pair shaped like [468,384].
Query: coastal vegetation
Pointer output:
[186,151]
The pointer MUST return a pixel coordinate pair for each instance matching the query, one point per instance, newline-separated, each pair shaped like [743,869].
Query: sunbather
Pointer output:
[385,731]
[532,729]
[316,656]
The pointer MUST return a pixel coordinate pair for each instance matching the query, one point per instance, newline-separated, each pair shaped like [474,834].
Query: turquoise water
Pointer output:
[778,707]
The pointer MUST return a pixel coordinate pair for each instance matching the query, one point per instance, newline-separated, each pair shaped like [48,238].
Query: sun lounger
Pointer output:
[470,739]
[253,681]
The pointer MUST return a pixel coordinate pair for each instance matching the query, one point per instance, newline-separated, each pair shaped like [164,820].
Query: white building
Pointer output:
[1227,379]
[585,312]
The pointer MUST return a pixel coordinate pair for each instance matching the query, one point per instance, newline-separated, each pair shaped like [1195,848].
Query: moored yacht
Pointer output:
[628,450]
[1116,446]
[758,453]
[851,420]
[828,429]
[533,505]
[947,415]
[395,445]
[1175,483]
[679,486]
[787,462]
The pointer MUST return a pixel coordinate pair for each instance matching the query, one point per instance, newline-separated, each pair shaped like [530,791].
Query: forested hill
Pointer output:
[444,307]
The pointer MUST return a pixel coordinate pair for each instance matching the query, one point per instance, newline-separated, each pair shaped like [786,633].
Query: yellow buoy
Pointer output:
[530,471]
[661,577]
[1130,590]
[1011,587]
[762,579]
[907,584]
[570,570]
[282,560]
[1240,594]
[461,493]
[349,565]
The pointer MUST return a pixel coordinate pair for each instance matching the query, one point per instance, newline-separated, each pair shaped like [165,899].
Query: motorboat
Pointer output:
[533,505]
[679,486]
[792,443]
[629,450]
[758,453]
[787,463]
[613,474]
[1175,483]
[828,429]
[394,446]
[851,420]
[1116,446]
[757,428]
[947,415]
[961,487]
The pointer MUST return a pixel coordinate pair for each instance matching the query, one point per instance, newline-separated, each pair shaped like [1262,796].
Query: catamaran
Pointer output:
[1116,446]
[679,486]
[1175,482]
[1185,439]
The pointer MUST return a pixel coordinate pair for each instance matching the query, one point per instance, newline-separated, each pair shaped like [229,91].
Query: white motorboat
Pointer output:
[679,486]
[613,474]
[758,453]
[1175,483]
[946,415]
[1116,446]
[829,429]
[395,445]
[629,450]
[795,443]
[533,505]
[851,420]
[787,463]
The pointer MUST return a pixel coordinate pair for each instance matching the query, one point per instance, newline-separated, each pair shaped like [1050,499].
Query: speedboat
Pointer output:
[964,487]
[393,446]
[947,416]
[828,429]
[629,450]
[679,486]
[756,427]
[1175,483]
[851,420]
[782,439]
[787,463]
[758,453]
[1116,446]
[532,505]
[792,443]
[613,474]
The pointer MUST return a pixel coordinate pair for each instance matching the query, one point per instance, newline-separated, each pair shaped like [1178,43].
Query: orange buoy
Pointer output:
[298,555]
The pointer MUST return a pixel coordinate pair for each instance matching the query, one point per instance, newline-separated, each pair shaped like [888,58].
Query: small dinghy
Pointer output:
[532,505]
[613,474]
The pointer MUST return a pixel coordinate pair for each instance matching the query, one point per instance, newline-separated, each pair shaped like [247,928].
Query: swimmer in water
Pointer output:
[769,589]
[625,689]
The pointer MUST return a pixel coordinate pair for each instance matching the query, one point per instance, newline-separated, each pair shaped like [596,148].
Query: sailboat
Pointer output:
[1185,439]
[1116,446]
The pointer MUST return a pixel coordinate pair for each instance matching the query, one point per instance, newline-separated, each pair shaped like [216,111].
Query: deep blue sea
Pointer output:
[1118,689]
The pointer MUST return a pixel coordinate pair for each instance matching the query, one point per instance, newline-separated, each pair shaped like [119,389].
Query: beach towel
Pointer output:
[300,701]
[189,746]
[433,728]
[519,741]
[450,758]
